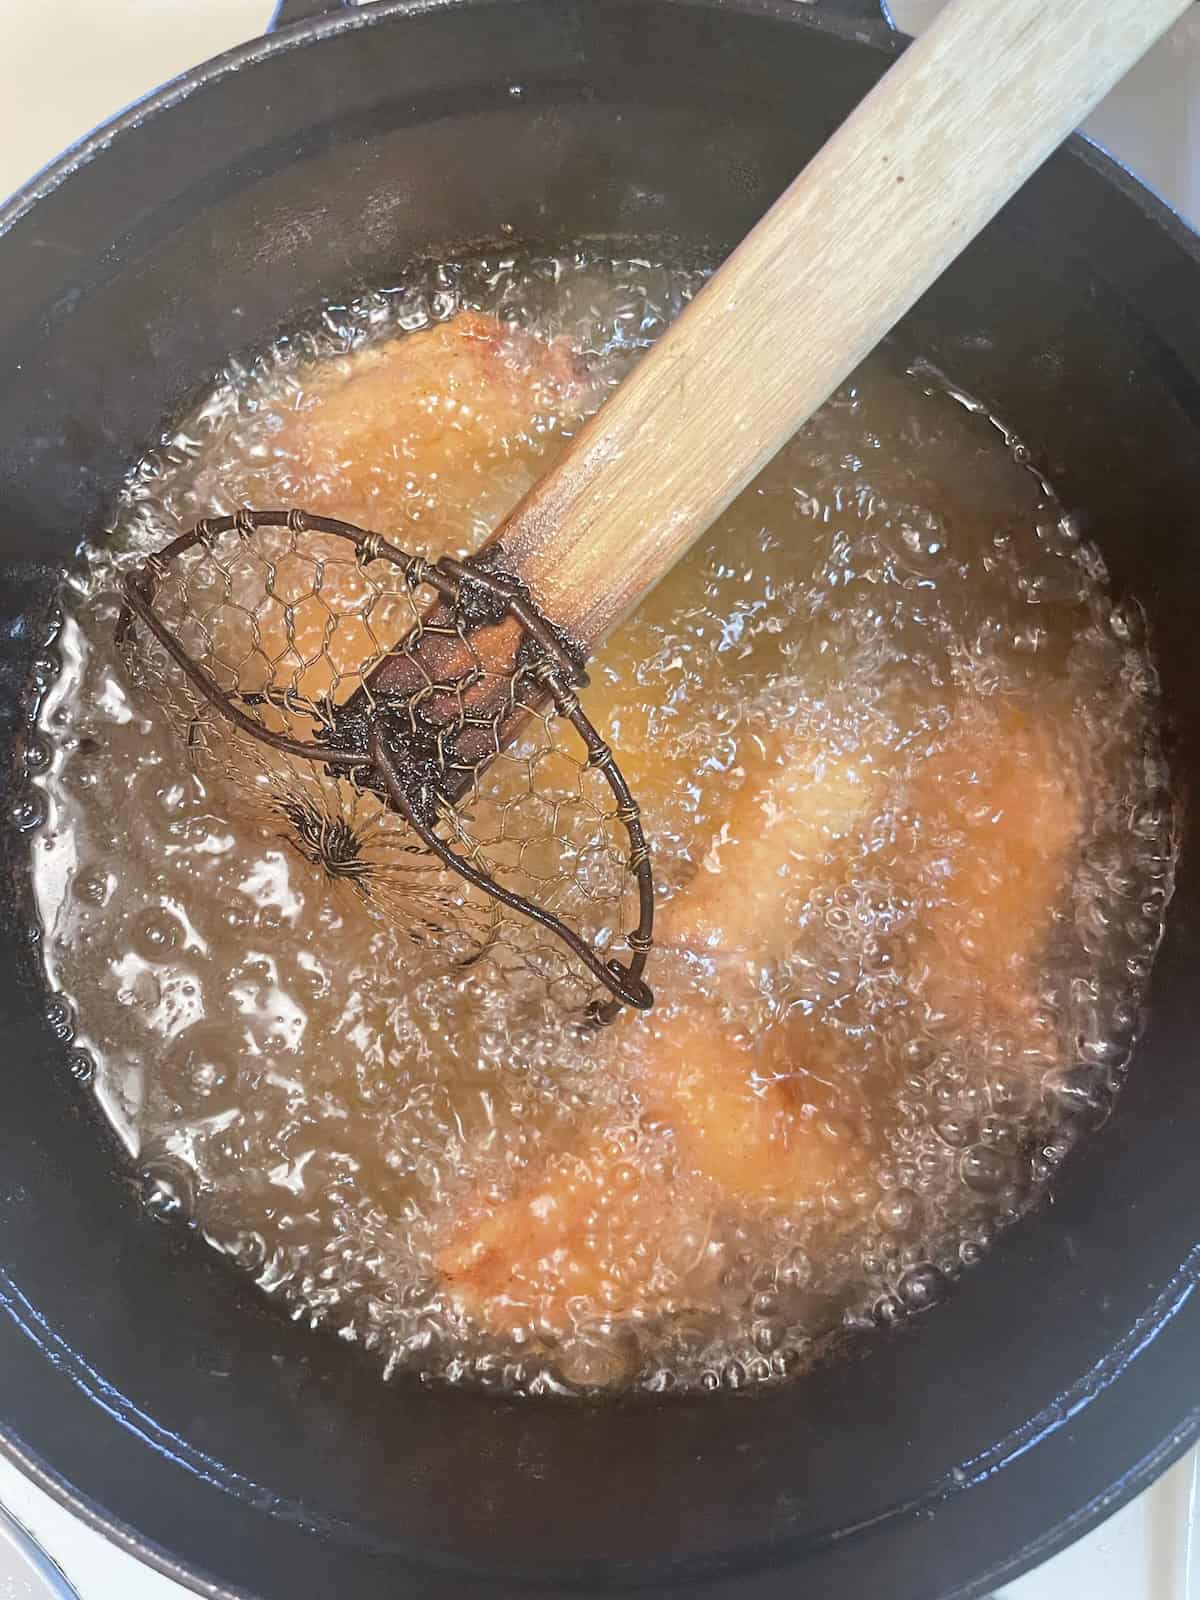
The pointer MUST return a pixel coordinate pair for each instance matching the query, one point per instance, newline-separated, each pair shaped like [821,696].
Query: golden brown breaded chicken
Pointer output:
[1004,805]
[750,1117]
[791,816]
[431,439]
[586,1228]
[746,1121]
[593,1227]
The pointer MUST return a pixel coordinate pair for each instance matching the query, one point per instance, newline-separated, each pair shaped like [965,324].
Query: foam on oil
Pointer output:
[897,595]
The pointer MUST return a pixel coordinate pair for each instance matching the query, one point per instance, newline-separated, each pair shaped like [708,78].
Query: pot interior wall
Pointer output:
[131,1362]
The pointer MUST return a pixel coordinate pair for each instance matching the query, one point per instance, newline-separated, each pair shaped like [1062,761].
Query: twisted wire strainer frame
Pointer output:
[425,716]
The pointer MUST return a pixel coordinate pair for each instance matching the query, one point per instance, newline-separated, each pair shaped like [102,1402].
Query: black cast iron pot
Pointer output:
[157,1393]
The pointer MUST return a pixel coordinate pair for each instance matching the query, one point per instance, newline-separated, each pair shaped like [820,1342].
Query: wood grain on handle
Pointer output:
[948,135]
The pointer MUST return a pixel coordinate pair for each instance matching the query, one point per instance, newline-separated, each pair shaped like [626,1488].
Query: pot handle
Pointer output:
[288,11]
[865,14]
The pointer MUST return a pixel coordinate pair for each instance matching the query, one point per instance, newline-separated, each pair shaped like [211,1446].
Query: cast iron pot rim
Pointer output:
[368,13]
[298,35]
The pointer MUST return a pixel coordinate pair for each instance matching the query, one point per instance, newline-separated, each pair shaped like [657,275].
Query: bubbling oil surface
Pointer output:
[899,594]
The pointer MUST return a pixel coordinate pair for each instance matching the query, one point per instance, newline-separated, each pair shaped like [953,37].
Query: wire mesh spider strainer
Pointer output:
[413,729]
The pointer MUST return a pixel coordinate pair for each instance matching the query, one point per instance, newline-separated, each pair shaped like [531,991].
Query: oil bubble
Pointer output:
[29,810]
[167,1190]
[81,1064]
[985,1170]
[1078,1093]
[60,1015]
[922,1287]
[37,755]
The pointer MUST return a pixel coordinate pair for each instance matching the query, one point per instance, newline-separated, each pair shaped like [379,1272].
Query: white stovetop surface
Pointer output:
[66,65]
